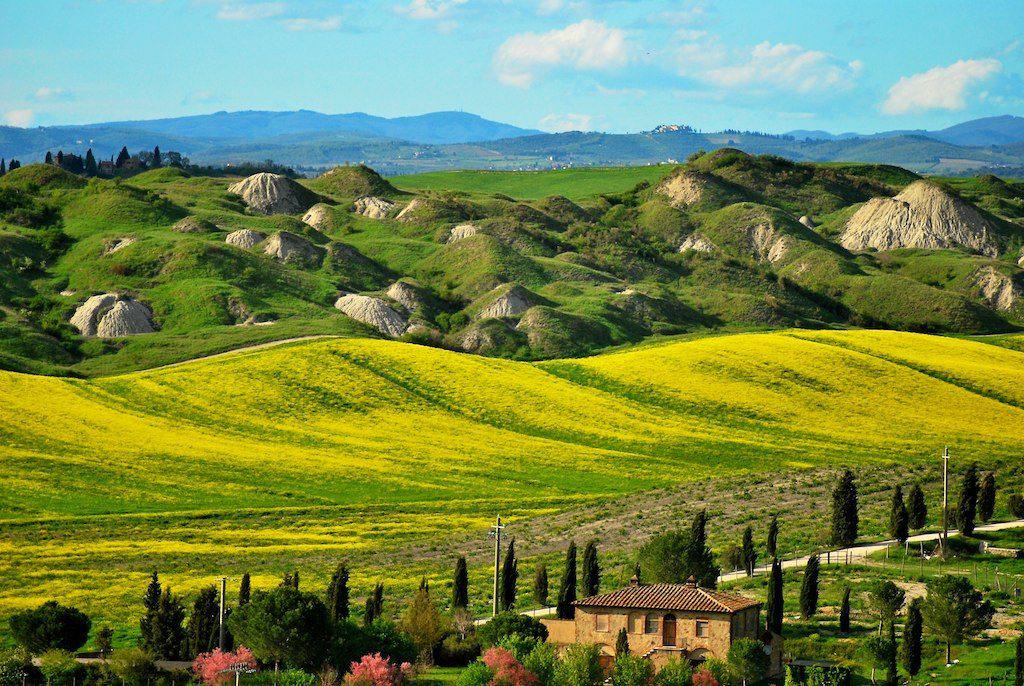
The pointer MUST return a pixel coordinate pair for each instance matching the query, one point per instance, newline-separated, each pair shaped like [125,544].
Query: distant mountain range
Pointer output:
[459,140]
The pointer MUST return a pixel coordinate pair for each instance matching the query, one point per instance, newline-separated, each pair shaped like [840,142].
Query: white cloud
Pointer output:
[939,88]
[587,44]
[304,24]
[566,122]
[631,92]
[785,66]
[48,93]
[429,9]
[20,118]
[250,11]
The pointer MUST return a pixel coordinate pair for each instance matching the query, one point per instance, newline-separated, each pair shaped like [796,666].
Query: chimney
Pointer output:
[691,582]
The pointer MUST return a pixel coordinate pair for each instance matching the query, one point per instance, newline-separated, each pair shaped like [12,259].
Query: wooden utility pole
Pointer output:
[223,589]
[945,500]
[496,534]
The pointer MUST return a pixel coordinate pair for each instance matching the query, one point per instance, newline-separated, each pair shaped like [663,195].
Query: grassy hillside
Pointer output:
[307,452]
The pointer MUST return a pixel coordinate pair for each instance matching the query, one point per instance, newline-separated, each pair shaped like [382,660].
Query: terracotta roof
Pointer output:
[683,597]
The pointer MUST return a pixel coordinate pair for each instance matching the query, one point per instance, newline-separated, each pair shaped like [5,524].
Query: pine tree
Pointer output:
[59,159]
[775,605]
[374,605]
[591,570]
[917,510]
[898,520]
[845,518]
[967,507]
[809,588]
[13,164]
[987,498]
[540,585]
[844,613]
[204,623]
[622,643]
[168,629]
[90,163]
[772,541]
[337,593]
[912,630]
[122,157]
[156,157]
[460,584]
[509,577]
[150,604]
[747,552]
[49,158]
[244,591]
[567,591]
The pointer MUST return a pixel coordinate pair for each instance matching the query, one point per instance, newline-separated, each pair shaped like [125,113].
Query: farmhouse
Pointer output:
[664,622]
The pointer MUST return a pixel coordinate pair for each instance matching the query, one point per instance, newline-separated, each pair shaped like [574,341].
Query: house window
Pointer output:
[651,624]
[601,622]
[636,623]
[702,629]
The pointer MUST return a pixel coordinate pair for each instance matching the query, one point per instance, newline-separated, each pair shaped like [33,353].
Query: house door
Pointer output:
[668,630]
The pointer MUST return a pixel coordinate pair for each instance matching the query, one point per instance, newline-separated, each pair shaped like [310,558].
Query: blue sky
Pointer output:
[553,64]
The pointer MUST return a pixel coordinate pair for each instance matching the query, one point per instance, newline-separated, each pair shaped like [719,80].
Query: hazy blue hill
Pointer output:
[988,131]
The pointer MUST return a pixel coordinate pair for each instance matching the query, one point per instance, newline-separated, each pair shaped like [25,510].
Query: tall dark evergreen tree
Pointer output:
[747,552]
[509,577]
[337,593]
[168,627]
[809,588]
[917,509]
[13,164]
[90,163]
[295,579]
[1018,662]
[775,606]
[157,160]
[150,605]
[845,518]
[912,631]
[622,643]
[540,585]
[967,507]
[3,166]
[59,159]
[772,540]
[203,633]
[244,590]
[460,584]
[49,158]
[987,498]
[899,524]
[122,158]
[700,561]
[374,605]
[567,591]
[591,573]
[892,674]
[844,613]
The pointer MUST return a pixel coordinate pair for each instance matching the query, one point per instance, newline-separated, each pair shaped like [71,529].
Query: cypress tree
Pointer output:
[912,630]
[845,519]
[917,510]
[699,530]
[844,613]
[899,526]
[591,570]
[540,585]
[747,552]
[49,158]
[773,619]
[13,164]
[987,497]
[509,577]
[156,157]
[772,541]
[337,593]
[3,166]
[295,579]
[204,623]
[90,163]
[150,604]
[622,643]
[374,605]
[244,590]
[968,505]
[168,629]
[809,588]
[567,591]
[59,159]
[460,584]
[1018,662]
[122,157]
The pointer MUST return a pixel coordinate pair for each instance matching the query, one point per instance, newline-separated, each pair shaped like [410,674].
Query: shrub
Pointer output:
[456,651]
[1017,506]
[580,666]
[675,672]
[508,623]
[50,626]
[632,670]
[57,666]
[376,670]
[209,667]
[131,665]
[704,677]
[542,661]
[477,674]
[507,670]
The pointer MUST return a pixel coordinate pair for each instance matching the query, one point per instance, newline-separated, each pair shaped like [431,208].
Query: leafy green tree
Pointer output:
[809,588]
[912,630]
[632,670]
[775,605]
[567,591]
[1016,505]
[591,570]
[424,623]
[879,651]
[540,585]
[580,666]
[244,590]
[1018,662]
[673,557]
[337,590]
[131,665]
[91,167]
[283,625]
[509,577]
[104,640]
[899,523]
[747,551]
[204,623]
[506,624]
[58,666]
[917,509]
[844,613]
[845,517]
[675,672]
[541,662]
[987,498]
[954,611]
[772,540]
[51,626]
[622,643]
[748,660]
[886,598]
[967,506]
[892,674]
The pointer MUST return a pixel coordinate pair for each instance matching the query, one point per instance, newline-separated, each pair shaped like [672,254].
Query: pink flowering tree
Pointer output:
[375,670]
[210,668]
[704,677]
[508,671]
